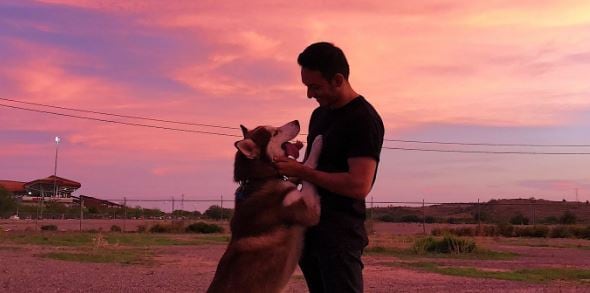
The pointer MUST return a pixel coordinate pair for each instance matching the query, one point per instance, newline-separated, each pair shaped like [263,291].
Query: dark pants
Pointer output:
[332,270]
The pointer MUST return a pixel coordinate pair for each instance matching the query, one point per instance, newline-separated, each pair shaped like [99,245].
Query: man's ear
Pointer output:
[248,148]
[338,80]
[244,130]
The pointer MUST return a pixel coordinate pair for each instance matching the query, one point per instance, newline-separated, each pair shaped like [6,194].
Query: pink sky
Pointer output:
[467,71]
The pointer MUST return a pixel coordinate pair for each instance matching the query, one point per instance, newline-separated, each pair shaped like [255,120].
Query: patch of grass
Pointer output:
[77,239]
[478,253]
[447,244]
[548,242]
[49,238]
[122,256]
[537,275]
[11,248]
[143,239]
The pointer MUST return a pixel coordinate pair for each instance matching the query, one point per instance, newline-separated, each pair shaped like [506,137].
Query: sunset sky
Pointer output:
[495,72]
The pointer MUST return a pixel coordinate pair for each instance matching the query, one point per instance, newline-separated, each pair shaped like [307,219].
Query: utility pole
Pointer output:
[222,207]
[172,213]
[423,217]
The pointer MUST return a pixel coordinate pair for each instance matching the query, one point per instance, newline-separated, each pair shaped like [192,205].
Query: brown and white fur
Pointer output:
[268,225]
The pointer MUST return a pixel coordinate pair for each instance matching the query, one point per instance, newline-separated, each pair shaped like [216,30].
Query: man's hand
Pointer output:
[289,167]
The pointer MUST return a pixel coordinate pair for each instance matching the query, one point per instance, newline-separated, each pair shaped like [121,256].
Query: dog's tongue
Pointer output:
[292,149]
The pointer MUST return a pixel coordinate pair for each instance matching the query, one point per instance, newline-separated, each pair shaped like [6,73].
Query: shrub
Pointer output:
[505,230]
[386,218]
[49,228]
[174,227]
[535,231]
[550,220]
[568,218]
[560,232]
[115,228]
[160,228]
[448,244]
[464,231]
[411,219]
[581,232]
[489,230]
[519,219]
[7,203]
[202,227]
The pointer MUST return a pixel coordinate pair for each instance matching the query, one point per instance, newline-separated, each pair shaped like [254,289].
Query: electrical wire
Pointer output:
[302,134]
[231,135]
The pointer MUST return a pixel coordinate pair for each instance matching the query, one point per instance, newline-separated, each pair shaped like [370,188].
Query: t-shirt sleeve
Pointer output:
[366,137]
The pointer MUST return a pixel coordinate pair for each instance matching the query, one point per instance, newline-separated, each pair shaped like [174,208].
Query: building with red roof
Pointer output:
[52,188]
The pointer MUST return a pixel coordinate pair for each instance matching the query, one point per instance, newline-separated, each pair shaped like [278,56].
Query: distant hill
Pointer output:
[532,210]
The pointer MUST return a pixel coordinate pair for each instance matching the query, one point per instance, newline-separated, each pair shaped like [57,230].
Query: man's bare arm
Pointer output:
[356,183]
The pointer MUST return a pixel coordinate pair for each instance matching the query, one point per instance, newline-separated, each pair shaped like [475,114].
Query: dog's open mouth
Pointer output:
[292,149]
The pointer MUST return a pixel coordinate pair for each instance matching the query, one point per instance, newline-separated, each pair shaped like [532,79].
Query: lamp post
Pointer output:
[57,140]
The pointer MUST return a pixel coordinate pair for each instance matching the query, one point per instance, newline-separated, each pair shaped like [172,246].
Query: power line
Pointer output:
[231,135]
[121,122]
[488,144]
[485,152]
[121,116]
[303,134]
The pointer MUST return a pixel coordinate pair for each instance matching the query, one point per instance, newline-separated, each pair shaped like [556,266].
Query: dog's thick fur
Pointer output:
[270,217]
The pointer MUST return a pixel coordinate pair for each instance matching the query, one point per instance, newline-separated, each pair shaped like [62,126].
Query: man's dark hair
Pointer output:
[325,58]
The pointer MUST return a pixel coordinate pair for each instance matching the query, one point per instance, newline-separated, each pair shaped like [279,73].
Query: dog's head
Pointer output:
[267,142]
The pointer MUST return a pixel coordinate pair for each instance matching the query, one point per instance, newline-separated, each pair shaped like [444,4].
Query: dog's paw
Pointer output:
[318,142]
[316,150]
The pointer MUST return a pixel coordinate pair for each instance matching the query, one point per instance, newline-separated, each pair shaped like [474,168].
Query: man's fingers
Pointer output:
[281,159]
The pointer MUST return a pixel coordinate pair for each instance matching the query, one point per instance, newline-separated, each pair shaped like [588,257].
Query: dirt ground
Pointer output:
[191,268]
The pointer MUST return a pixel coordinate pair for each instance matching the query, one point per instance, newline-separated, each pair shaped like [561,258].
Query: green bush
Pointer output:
[386,218]
[560,232]
[551,220]
[49,228]
[411,219]
[7,203]
[568,218]
[535,231]
[174,227]
[115,228]
[202,227]
[486,230]
[519,219]
[448,244]
[581,232]
[505,230]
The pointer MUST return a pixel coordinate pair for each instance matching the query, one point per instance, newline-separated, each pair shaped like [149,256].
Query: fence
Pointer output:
[121,211]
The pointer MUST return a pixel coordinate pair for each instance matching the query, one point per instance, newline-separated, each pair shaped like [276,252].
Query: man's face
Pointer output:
[319,88]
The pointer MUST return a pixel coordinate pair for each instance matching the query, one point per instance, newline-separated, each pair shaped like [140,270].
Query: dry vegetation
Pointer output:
[171,262]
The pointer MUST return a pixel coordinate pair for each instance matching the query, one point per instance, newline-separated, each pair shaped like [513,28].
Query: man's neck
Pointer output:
[346,97]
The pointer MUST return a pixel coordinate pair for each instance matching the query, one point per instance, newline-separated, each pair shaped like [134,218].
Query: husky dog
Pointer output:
[271,213]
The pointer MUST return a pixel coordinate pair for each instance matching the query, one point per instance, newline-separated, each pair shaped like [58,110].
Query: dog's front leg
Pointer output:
[304,206]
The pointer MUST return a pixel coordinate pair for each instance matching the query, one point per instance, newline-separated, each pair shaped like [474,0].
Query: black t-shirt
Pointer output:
[354,130]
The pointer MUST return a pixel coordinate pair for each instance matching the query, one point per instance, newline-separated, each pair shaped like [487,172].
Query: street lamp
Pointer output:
[57,140]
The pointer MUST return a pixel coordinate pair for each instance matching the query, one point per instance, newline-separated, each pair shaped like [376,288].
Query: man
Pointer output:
[353,135]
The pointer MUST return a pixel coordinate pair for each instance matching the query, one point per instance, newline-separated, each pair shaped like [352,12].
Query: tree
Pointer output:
[568,218]
[519,219]
[216,212]
[7,203]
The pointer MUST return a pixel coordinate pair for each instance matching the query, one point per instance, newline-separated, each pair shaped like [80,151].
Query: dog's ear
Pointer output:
[248,148]
[244,130]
